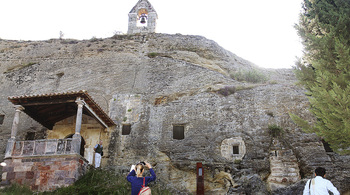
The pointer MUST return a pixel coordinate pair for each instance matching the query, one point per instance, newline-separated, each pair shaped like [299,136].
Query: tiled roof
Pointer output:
[50,108]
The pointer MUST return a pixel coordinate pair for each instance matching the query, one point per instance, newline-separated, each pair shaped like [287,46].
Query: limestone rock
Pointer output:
[155,82]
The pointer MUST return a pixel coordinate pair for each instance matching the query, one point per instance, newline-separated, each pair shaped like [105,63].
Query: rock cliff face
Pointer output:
[176,94]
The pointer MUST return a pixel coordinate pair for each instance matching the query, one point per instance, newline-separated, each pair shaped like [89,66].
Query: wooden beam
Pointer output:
[95,115]
[45,102]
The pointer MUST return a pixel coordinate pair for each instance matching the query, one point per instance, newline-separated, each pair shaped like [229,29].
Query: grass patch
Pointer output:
[241,87]
[95,182]
[273,82]
[152,55]
[251,76]
[123,37]
[15,189]
[155,54]
[94,39]
[66,41]
[19,67]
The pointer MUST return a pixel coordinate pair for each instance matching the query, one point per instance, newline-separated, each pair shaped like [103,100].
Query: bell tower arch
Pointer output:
[142,18]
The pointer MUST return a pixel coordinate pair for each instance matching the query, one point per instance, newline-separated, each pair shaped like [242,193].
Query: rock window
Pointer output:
[126,129]
[235,149]
[178,132]
[2,118]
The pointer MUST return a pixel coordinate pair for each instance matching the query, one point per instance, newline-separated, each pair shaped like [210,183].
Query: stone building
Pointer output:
[175,101]
[61,158]
[142,18]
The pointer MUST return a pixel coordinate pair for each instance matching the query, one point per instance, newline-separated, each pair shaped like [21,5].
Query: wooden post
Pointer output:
[200,179]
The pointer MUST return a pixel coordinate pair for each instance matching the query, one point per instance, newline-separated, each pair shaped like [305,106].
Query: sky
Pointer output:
[256,30]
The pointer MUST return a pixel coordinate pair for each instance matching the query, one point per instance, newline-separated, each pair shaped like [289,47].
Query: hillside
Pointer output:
[157,81]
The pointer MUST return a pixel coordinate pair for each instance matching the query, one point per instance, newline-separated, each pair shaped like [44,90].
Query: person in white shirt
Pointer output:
[319,185]
[98,154]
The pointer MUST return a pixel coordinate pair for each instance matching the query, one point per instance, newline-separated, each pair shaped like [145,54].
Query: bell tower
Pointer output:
[142,18]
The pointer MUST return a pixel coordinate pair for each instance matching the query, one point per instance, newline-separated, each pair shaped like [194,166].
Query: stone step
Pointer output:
[294,169]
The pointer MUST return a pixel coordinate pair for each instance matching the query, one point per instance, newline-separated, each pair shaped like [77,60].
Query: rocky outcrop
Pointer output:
[161,85]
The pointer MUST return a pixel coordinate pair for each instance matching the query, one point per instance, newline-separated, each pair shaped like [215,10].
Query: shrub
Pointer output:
[227,90]
[252,76]
[237,161]
[152,55]
[94,39]
[273,82]
[275,130]
[270,113]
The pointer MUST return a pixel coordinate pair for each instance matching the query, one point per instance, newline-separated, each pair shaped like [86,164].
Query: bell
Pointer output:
[143,20]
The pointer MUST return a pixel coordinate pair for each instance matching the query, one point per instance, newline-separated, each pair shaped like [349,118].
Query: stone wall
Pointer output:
[157,81]
[44,173]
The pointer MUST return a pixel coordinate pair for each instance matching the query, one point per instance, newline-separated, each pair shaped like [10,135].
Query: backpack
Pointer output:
[145,190]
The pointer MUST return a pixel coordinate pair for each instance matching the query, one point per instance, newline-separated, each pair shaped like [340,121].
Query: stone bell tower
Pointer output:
[142,18]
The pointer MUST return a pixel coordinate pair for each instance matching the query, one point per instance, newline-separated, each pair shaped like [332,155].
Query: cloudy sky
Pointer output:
[259,31]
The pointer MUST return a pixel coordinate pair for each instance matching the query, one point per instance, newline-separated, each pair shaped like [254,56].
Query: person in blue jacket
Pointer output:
[136,179]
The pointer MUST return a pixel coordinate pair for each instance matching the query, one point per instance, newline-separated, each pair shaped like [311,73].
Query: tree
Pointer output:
[324,70]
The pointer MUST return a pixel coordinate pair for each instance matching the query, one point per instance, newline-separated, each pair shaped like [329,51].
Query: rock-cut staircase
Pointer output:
[283,166]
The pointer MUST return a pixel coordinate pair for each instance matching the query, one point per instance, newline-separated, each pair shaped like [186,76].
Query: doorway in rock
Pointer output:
[82,148]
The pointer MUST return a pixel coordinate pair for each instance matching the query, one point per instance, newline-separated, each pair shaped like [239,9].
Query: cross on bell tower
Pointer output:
[142,18]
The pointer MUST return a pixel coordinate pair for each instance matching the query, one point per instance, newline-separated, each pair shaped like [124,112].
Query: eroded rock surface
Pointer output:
[157,81]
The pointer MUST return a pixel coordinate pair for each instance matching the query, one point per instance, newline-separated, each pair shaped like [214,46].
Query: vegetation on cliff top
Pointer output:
[251,76]
[325,70]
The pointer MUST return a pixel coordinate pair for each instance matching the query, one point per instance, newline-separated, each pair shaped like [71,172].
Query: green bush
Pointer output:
[152,54]
[251,76]
[275,130]
[237,161]
[15,189]
[94,39]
